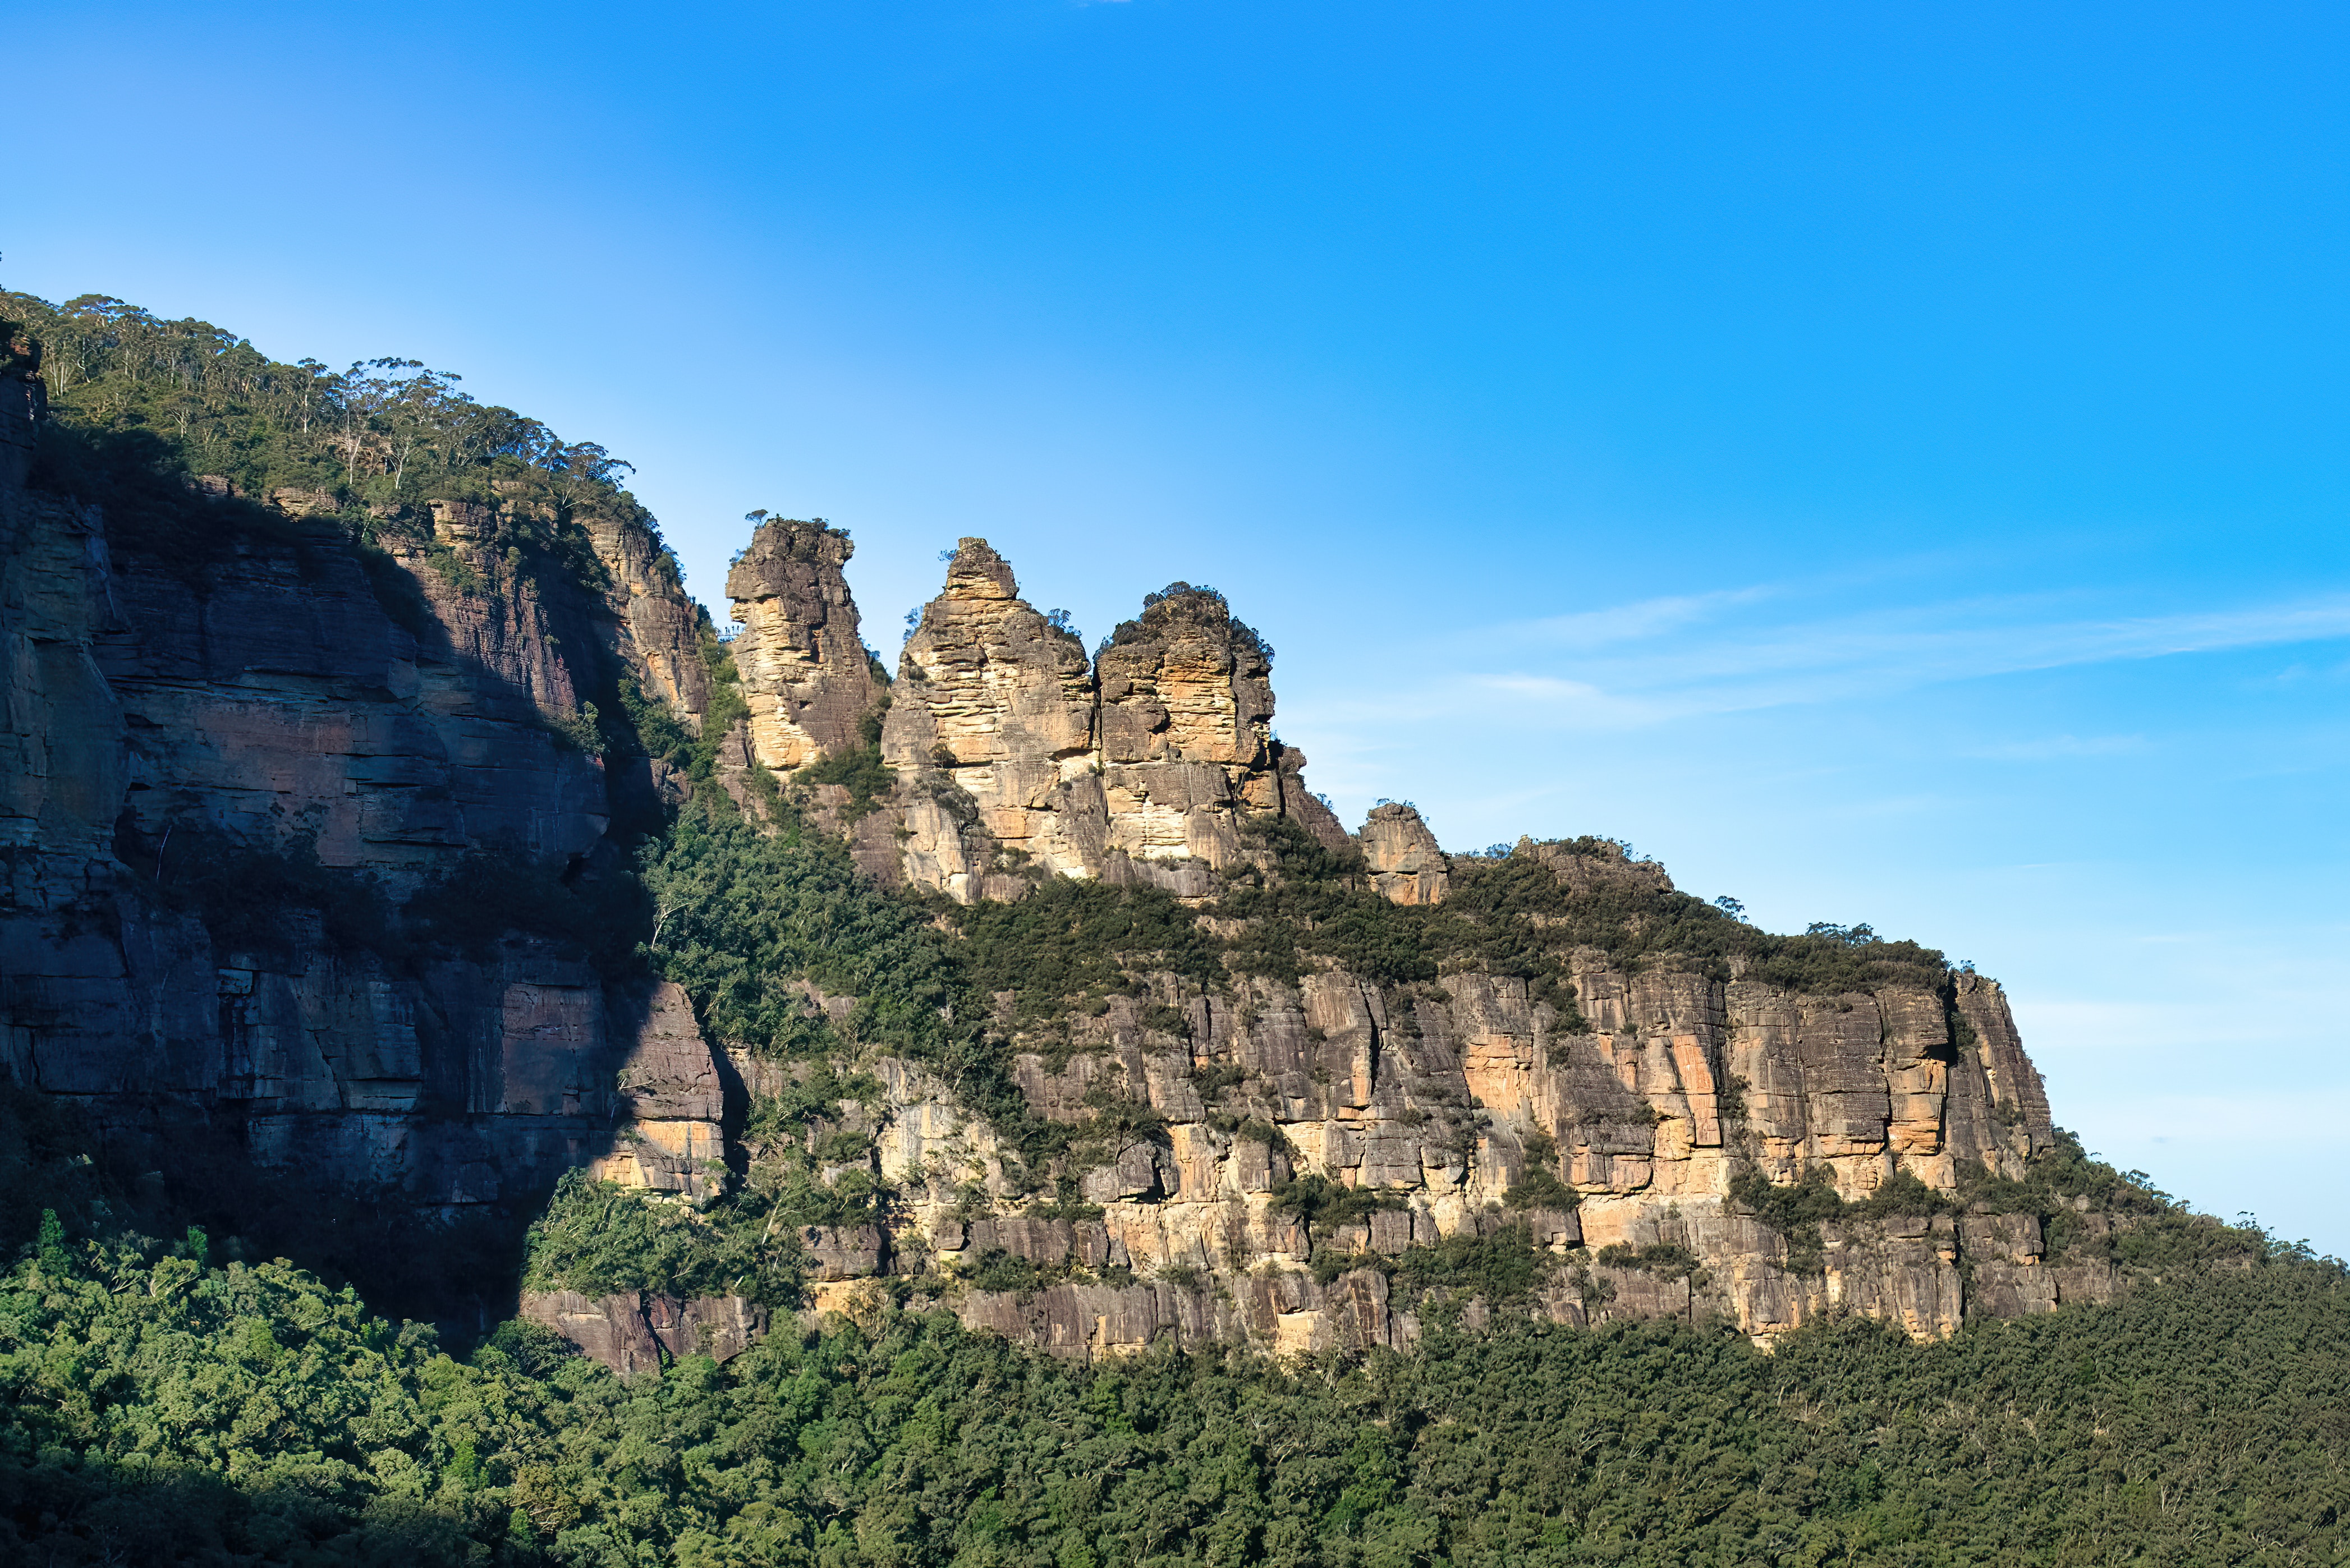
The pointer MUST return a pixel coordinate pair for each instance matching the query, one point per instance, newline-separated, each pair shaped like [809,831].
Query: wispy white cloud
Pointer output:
[1659,660]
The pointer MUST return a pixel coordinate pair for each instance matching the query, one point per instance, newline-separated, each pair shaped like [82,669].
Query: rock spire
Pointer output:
[806,674]
[1016,757]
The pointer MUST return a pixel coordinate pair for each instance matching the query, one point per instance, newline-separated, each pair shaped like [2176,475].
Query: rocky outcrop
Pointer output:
[672,1104]
[1187,746]
[641,1332]
[1456,1112]
[1406,865]
[1017,758]
[990,732]
[805,673]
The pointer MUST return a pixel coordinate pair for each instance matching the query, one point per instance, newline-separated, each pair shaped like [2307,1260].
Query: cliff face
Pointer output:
[222,773]
[1617,1124]
[219,770]
[1430,1109]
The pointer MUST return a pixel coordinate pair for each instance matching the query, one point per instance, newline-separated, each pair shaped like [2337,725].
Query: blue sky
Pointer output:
[1887,462]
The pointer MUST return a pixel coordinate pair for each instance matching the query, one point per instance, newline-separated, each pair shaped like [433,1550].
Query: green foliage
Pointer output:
[140,404]
[597,1239]
[1795,1210]
[1324,1204]
[1503,1267]
[1538,1188]
[157,1408]
[727,703]
[742,914]
[861,770]
[1665,1258]
[1808,1200]
[580,732]
[2153,1230]
[1070,939]
[1515,915]
[997,1270]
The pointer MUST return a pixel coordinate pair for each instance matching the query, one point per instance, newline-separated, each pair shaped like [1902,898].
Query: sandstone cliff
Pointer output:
[1438,1115]
[1016,757]
[1617,1116]
[307,833]
[806,674]
[219,770]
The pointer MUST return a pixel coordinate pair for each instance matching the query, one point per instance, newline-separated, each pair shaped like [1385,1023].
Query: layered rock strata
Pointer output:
[806,674]
[1017,757]
[1435,1105]
[217,769]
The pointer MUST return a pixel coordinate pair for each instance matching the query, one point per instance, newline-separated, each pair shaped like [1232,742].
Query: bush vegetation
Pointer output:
[168,1403]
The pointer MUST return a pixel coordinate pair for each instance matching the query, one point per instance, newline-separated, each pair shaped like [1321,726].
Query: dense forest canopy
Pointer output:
[205,402]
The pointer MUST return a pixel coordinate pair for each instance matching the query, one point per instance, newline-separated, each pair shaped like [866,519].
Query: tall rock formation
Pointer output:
[655,629]
[1406,866]
[1186,744]
[1017,758]
[806,674]
[991,729]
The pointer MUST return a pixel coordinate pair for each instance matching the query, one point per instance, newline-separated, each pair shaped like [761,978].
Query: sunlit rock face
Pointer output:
[805,671]
[990,730]
[1406,865]
[1019,758]
[1187,741]
[1647,1101]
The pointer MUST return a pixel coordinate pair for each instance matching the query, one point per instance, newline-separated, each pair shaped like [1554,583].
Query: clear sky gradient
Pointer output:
[1887,461]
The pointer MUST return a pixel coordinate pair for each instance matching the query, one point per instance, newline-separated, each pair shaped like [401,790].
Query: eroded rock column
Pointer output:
[806,676]
[990,732]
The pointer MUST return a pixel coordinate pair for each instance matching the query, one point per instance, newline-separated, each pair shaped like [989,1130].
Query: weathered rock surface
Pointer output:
[657,630]
[641,1331]
[1406,866]
[805,673]
[359,736]
[1666,1087]
[1018,758]
[990,730]
[671,1100]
